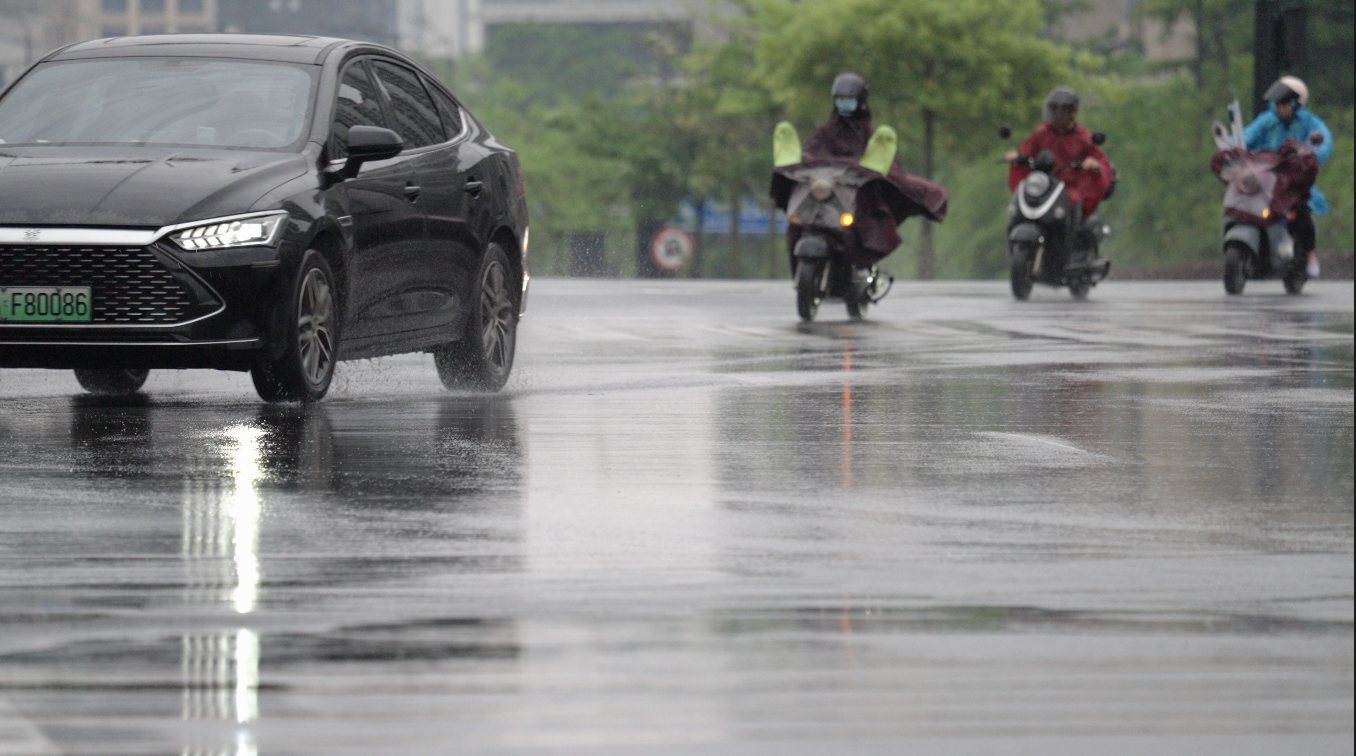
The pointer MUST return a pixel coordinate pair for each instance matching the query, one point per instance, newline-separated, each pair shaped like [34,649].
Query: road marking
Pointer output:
[1051,440]
[20,737]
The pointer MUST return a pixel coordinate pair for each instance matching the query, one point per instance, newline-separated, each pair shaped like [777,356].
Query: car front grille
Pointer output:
[129,284]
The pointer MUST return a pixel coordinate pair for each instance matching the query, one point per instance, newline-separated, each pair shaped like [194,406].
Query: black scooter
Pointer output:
[1048,241]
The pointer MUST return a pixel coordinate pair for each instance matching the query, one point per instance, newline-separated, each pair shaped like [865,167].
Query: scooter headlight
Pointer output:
[1036,184]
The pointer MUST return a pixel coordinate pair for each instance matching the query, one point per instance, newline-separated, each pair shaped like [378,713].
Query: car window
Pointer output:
[416,118]
[356,105]
[450,112]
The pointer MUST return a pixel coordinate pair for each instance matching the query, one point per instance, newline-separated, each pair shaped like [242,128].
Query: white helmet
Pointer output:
[1287,88]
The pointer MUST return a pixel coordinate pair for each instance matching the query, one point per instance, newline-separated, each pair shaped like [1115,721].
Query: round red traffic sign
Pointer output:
[672,249]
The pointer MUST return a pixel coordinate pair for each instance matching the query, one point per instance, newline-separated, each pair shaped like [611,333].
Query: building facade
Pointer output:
[452,28]
[123,18]
[368,20]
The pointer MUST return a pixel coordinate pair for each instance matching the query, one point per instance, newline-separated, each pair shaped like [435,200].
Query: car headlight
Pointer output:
[241,232]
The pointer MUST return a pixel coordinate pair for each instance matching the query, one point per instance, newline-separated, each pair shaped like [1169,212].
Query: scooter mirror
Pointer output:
[1316,139]
[1004,131]
[1099,137]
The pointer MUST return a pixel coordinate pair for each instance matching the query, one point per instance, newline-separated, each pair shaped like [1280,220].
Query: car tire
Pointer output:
[482,358]
[306,367]
[115,382]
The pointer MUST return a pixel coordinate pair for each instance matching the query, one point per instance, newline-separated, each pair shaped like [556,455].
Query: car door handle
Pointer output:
[473,187]
[412,192]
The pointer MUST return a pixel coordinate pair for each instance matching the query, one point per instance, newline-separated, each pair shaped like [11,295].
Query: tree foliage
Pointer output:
[971,63]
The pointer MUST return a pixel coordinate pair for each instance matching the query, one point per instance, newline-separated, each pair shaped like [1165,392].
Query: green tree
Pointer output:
[944,73]
[731,116]
[570,189]
[554,61]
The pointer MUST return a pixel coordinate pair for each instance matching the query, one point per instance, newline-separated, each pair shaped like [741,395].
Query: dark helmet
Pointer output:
[849,85]
[1062,97]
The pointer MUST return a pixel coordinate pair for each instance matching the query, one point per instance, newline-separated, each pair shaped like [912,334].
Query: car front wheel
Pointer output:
[112,382]
[304,371]
[483,358]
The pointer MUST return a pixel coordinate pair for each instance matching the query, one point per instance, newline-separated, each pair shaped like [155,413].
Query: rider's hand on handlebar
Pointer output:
[1011,156]
[1091,164]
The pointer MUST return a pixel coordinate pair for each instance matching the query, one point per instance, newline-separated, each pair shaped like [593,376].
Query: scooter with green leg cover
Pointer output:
[821,200]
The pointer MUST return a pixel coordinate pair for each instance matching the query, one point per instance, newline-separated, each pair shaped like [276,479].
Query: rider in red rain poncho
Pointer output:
[1079,163]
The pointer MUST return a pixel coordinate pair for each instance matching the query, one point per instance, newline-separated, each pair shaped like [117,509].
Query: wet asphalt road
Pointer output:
[966,526]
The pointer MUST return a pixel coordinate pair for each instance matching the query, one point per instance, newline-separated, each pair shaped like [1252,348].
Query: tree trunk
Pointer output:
[734,267]
[1199,19]
[926,262]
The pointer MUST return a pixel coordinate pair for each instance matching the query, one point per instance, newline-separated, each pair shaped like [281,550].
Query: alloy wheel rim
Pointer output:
[496,310]
[315,339]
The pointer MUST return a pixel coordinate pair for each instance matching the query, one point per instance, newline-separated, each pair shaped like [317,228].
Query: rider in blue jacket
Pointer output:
[1288,118]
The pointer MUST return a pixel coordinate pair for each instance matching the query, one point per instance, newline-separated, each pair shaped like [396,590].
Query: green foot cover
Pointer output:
[880,151]
[785,145]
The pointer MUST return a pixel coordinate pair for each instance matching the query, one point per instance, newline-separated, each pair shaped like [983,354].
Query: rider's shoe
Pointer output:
[1312,267]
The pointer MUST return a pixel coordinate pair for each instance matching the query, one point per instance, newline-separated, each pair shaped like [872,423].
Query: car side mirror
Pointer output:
[1004,131]
[366,143]
[1099,138]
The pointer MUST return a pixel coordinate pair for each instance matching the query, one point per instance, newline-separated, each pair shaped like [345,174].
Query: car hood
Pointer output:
[134,187]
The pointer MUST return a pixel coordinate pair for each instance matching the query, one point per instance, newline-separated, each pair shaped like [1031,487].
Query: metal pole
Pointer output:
[1264,63]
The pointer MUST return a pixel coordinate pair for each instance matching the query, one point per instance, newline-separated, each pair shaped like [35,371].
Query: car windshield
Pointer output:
[159,101]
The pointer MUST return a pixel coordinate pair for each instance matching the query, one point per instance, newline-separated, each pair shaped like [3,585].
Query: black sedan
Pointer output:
[248,202]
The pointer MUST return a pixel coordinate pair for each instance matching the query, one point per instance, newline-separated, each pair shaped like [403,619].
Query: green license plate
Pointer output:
[45,304]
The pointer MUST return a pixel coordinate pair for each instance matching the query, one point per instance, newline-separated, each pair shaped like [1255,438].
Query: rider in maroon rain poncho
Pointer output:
[845,136]
[1072,146]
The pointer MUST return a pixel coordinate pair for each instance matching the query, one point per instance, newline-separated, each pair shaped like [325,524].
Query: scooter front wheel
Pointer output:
[1236,259]
[807,289]
[1020,257]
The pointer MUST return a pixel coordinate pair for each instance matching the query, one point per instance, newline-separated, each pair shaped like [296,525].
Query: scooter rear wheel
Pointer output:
[1236,264]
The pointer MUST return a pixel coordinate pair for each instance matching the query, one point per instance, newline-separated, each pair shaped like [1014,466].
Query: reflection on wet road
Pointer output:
[690,525]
